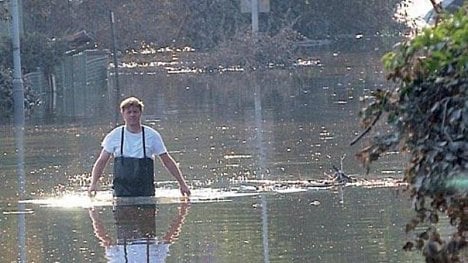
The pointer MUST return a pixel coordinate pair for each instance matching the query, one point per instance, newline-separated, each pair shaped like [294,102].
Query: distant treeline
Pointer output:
[204,24]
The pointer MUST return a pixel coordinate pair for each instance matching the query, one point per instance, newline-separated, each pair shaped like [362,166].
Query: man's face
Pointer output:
[131,115]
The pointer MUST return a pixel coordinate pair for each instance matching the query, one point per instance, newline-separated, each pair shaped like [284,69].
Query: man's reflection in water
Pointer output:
[136,239]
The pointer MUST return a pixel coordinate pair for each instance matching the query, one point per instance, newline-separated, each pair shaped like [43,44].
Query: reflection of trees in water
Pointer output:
[340,77]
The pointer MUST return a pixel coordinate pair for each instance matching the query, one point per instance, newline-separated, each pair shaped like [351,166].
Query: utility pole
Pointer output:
[18,99]
[18,95]
[18,89]
[254,9]
[116,67]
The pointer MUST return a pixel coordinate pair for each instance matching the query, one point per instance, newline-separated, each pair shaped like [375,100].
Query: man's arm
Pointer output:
[175,228]
[96,173]
[172,167]
[98,227]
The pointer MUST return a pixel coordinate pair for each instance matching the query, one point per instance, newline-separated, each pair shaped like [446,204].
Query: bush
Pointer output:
[37,51]
[6,95]
[428,114]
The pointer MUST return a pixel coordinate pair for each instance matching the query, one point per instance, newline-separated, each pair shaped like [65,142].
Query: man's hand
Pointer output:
[96,173]
[92,190]
[185,190]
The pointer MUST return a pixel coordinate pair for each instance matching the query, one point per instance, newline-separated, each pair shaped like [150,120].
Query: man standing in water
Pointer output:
[134,147]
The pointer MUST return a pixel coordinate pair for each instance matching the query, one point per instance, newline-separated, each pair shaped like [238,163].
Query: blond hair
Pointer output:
[131,101]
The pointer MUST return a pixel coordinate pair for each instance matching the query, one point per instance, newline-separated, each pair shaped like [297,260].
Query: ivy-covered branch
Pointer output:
[428,116]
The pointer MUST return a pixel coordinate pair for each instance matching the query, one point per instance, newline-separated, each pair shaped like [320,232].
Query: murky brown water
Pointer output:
[281,125]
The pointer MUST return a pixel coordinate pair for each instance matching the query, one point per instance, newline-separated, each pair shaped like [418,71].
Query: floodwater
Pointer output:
[227,130]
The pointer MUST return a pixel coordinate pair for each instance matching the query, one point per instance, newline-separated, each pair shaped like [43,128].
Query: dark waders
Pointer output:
[133,176]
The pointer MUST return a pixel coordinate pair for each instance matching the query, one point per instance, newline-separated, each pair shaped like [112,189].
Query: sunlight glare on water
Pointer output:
[74,200]
[163,196]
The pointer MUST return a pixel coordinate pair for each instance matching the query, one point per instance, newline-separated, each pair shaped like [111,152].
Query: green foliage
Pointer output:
[6,100]
[4,14]
[6,95]
[436,48]
[37,50]
[428,113]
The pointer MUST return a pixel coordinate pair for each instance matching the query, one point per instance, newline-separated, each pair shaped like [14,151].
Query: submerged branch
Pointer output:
[377,117]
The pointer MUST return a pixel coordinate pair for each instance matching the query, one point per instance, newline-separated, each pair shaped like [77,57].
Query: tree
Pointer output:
[204,24]
[428,114]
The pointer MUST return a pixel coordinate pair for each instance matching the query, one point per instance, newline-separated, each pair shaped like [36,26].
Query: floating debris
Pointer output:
[315,202]
[18,212]
[167,192]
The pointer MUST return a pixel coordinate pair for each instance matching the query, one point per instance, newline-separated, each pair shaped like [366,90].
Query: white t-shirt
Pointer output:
[133,143]
[139,252]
